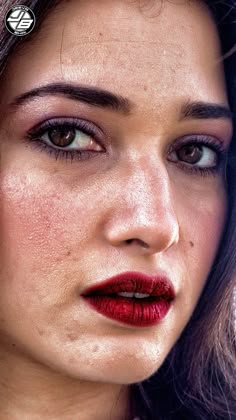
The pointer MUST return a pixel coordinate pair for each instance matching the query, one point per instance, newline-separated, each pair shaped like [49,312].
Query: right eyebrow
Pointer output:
[98,97]
[91,95]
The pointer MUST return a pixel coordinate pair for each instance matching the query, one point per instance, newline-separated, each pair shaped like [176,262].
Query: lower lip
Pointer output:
[129,311]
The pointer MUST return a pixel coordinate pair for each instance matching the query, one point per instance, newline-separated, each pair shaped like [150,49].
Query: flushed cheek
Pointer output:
[41,225]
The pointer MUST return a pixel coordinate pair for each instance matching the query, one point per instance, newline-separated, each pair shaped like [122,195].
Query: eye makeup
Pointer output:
[207,147]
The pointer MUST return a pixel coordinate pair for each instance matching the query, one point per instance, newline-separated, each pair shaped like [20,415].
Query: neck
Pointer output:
[31,390]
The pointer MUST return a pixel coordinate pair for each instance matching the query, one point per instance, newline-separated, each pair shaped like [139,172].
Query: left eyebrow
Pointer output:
[91,95]
[205,110]
[105,99]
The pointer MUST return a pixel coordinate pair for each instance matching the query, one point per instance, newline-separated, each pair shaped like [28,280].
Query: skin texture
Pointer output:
[65,226]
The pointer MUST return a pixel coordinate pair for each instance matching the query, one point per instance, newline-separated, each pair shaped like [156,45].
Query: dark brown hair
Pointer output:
[198,378]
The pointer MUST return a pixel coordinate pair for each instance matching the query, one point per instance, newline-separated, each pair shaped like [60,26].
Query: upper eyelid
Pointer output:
[214,143]
[206,140]
[100,135]
[61,121]
[79,123]
[218,148]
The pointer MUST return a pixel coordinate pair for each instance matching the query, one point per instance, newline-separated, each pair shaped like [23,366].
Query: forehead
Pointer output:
[169,48]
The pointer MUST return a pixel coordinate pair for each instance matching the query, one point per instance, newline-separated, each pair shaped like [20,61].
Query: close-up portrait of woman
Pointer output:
[117,210]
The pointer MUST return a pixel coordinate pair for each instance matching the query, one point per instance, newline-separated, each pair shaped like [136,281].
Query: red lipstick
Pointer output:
[136,309]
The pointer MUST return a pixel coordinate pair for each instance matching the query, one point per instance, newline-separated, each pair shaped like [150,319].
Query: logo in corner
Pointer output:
[20,20]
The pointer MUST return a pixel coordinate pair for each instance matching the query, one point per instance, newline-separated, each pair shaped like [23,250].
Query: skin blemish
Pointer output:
[72,336]
[52,207]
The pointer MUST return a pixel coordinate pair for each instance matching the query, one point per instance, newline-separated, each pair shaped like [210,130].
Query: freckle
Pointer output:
[100,33]
[72,337]
[191,244]
[40,332]
[68,253]
[145,88]
[95,348]
[13,345]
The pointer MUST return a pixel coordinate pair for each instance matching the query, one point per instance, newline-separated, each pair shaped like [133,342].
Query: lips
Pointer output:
[110,299]
[134,282]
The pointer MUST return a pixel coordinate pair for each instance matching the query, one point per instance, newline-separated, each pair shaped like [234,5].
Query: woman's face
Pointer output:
[146,195]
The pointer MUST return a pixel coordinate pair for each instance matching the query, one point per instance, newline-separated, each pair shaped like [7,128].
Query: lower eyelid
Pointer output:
[215,146]
[60,154]
[194,169]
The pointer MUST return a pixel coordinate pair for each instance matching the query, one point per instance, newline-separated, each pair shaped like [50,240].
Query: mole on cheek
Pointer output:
[72,336]
[191,244]
[41,332]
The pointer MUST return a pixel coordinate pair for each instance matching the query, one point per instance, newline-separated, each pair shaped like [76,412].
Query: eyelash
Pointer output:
[33,136]
[84,126]
[205,141]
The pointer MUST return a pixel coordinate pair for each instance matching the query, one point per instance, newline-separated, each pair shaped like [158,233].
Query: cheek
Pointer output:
[207,224]
[202,227]
[41,223]
[202,213]
[29,213]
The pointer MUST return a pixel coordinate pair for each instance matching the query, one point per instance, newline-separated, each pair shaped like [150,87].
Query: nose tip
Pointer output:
[142,214]
[155,236]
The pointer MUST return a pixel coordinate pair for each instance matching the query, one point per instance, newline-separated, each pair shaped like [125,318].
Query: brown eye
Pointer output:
[198,155]
[62,136]
[70,137]
[190,153]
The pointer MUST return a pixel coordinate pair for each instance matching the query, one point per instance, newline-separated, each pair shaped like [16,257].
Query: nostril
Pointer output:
[138,241]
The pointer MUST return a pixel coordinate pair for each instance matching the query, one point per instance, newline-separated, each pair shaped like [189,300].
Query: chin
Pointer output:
[124,375]
[129,378]
[120,374]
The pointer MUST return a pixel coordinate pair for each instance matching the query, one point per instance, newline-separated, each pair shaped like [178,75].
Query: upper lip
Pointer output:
[154,285]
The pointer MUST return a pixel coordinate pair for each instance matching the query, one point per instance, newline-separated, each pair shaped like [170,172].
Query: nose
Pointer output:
[142,213]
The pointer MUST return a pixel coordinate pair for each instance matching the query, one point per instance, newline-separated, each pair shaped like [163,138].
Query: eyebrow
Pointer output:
[105,99]
[91,95]
[204,110]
